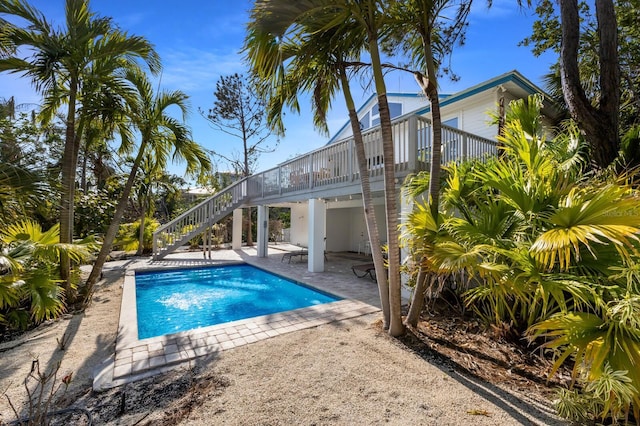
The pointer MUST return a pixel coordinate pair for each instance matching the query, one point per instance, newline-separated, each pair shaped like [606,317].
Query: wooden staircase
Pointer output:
[168,237]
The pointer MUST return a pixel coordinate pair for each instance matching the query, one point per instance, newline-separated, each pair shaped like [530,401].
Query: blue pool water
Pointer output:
[179,300]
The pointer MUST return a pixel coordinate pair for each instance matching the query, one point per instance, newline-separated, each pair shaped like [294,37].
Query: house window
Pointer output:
[452,122]
[375,115]
[364,122]
[395,110]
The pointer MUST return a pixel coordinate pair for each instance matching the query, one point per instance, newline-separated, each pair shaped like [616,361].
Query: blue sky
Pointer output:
[199,41]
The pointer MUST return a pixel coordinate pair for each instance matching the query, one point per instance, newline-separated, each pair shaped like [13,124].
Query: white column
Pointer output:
[236,234]
[317,224]
[263,230]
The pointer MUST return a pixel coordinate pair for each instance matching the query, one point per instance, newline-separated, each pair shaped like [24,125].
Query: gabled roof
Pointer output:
[520,81]
[369,102]
[514,81]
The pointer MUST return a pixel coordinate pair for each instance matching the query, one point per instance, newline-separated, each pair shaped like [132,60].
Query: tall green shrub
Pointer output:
[127,238]
[547,251]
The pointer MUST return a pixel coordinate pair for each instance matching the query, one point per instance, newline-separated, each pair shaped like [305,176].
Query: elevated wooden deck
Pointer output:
[332,171]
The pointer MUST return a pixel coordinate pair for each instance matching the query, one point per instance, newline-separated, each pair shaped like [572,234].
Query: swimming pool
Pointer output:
[178,300]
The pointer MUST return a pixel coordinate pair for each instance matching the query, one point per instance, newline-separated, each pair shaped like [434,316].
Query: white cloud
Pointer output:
[193,69]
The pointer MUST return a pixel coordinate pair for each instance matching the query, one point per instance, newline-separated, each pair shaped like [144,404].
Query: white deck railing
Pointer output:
[328,167]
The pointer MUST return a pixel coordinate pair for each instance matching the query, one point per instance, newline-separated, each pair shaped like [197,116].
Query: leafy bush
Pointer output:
[129,235]
[547,250]
[29,261]
[93,212]
[609,396]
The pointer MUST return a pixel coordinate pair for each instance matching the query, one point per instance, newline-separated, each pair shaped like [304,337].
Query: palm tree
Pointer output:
[152,178]
[492,213]
[429,33]
[420,25]
[316,61]
[373,20]
[59,65]
[102,111]
[19,187]
[368,20]
[161,135]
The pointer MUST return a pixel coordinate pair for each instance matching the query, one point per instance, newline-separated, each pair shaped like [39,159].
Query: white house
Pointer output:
[322,187]
[467,110]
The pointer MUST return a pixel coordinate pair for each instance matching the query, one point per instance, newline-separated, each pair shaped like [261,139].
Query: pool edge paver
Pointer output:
[131,365]
[137,359]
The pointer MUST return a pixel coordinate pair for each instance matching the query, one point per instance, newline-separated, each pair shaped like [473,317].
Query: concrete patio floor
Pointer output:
[136,359]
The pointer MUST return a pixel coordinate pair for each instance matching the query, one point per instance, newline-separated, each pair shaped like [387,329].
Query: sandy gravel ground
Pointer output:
[345,373]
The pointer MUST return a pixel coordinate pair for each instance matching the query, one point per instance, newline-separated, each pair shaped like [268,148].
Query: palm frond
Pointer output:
[9,291]
[588,218]
[44,293]
[596,341]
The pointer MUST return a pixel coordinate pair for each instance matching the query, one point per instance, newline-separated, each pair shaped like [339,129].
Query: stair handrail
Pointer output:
[236,192]
[199,205]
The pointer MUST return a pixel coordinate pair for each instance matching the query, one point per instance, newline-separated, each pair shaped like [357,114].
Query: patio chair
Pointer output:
[364,269]
[291,254]
[300,253]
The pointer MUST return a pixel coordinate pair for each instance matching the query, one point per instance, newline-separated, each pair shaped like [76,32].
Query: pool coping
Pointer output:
[136,359]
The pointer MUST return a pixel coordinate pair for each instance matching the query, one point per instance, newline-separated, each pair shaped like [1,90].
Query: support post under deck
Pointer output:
[263,230]
[317,232]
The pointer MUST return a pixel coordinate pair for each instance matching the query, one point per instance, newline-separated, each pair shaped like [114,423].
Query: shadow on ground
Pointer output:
[515,405]
[168,398]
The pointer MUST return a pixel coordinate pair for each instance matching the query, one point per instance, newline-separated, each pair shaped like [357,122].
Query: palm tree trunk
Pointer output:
[83,173]
[143,216]
[112,231]
[367,200]
[249,229]
[417,301]
[430,90]
[396,327]
[429,86]
[68,188]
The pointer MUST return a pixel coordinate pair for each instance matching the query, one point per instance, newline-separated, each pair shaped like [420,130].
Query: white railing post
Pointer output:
[465,148]
[350,157]
[310,186]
